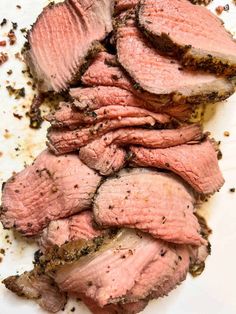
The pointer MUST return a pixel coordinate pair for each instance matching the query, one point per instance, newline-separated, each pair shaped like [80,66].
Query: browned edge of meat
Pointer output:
[38,287]
[190,57]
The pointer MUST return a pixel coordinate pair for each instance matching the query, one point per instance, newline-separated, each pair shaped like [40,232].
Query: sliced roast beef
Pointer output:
[154,138]
[160,75]
[69,116]
[77,227]
[196,36]
[106,159]
[63,141]
[197,164]
[107,273]
[153,202]
[72,29]
[40,288]
[51,188]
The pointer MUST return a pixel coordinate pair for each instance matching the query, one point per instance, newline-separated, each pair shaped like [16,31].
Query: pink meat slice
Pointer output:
[79,226]
[72,28]
[159,75]
[69,116]
[156,203]
[154,138]
[64,141]
[107,275]
[177,26]
[51,188]
[106,159]
[197,164]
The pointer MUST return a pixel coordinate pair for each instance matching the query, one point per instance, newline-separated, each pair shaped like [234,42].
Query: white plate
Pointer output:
[211,293]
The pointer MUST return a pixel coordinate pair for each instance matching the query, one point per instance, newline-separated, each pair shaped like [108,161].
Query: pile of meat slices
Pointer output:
[112,202]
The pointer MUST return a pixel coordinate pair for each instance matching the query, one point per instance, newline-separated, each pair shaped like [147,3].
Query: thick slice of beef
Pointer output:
[196,36]
[72,28]
[70,116]
[106,159]
[108,272]
[92,98]
[63,141]
[40,288]
[197,164]
[161,75]
[153,202]
[154,138]
[76,227]
[51,188]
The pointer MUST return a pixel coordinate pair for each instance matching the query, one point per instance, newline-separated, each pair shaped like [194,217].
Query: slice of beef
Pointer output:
[161,75]
[63,141]
[70,116]
[51,188]
[72,28]
[40,288]
[92,98]
[197,164]
[107,273]
[196,36]
[153,202]
[155,138]
[60,231]
[106,159]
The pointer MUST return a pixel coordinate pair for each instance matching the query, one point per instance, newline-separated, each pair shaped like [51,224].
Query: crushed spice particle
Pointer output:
[12,37]
[3,57]
[9,72]
[226,133]
[4,22]
[17,92]
[232,190]
[14,25]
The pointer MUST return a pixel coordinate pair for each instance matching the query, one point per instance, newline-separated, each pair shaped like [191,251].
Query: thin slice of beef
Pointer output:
[161,75]
[153,202]
[106,273]
[106,159]
[197,164]
[51,188]
[92,98]
[40,288]
[63,141]
[155,138]
[72,28]
[60,231]
[192,33]
[70,116]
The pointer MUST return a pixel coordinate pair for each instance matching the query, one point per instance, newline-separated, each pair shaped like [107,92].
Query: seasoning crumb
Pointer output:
[232,190]
[226,133]
[18,93]
[222,8]
[3,57]
[12,37]
[18,6]
[4,22]
[9,72]
[73,309]
[14,25]
[2,251]
[18,116]
[3,43]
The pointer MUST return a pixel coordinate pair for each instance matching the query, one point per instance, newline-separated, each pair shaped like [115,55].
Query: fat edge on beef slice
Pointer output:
[161,75]
[73,29]
[51,188]
[190,32]
[156,203]
[197,164]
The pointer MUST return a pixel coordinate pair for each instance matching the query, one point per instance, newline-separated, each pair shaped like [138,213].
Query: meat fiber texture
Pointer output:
[72,28]
[192,33]
[106,159]
[39,288]
[58,232]
[51,188]
[123,5]
[197,164]
[61,141]
[161,76]
[107,276]
[69,116]
[156,203]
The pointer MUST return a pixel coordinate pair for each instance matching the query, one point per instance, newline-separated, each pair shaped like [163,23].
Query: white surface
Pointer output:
[211,293]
